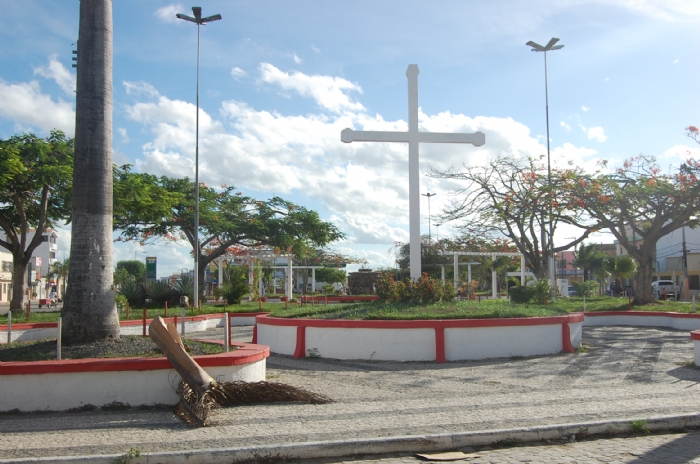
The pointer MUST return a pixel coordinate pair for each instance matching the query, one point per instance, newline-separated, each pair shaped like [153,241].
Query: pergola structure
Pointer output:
[313,273]
[268,255]
[490,254]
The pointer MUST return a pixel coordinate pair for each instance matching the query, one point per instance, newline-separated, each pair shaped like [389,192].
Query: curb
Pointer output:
[400,444]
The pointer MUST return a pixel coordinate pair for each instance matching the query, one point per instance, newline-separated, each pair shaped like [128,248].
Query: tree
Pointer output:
[133,267]
[149,208]
[638,204]
[35,185]
[331,275]
[89,310]
[589,259]
[619,267]
[513,199]
[60,270]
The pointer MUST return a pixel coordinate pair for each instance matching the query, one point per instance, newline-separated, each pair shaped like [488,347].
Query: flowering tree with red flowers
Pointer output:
[513,198]
[639,204]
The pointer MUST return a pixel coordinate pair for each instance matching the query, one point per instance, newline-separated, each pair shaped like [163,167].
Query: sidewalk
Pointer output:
[628,373]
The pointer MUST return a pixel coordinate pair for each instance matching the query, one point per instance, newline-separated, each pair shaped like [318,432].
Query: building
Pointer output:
[39,268]
[5,276]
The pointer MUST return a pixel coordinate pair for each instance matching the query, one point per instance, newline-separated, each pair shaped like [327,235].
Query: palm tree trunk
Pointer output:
[89,311]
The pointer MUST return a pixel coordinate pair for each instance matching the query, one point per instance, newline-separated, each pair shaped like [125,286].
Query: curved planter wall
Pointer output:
[66,384]
[422,340]
[695,335]
[680,321]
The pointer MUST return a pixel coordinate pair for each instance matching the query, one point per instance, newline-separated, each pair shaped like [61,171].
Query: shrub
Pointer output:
[121,301]
[542,290]
[522,294]
[236,288]
[184,286]
[329,289]
[587,288]
[133,292]
[159,292]
[427,290]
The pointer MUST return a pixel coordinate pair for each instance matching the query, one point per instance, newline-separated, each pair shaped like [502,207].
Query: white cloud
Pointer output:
[140,88]
[672,10]
[363,186]
[328,91]
[675,61]
[237,73]
[584,108]
[296,59]
[681,153]
[123,134]
[315,48]
[25,104]
[565,126]
[596,133]
[167,13]
[58,73]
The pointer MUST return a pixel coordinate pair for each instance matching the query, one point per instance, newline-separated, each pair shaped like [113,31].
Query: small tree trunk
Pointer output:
[644,278]
[19,284]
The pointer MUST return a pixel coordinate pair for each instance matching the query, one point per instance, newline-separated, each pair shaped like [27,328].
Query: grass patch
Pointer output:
[125,347]
[639,426]
[401,311]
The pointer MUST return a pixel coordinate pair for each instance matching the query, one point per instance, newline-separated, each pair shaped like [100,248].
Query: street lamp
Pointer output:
[199,21]
[437,232]
[429,195]
[547,48]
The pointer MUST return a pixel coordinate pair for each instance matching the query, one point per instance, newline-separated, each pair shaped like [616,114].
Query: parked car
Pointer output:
[572,292]
[664,289]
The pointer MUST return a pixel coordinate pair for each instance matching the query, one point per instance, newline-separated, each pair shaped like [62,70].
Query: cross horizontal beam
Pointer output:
[349,135]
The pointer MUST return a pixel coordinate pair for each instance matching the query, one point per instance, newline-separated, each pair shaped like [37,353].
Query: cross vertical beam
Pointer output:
[413,138]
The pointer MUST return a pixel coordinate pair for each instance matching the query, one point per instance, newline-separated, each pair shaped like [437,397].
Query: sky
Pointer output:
[280,80]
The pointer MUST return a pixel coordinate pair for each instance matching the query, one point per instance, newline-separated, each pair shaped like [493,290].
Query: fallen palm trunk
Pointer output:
[199,392]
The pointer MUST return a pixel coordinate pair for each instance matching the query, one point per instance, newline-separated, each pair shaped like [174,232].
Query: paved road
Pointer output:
[627,373]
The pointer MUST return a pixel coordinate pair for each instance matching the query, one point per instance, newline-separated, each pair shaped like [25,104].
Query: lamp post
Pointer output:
[437,232]
[199,21]
[429,195]
[547,48]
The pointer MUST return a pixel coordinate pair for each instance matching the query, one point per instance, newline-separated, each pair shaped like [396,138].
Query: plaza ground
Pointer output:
[626,373]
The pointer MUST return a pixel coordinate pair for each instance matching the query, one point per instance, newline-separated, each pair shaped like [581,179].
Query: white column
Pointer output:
[442,273]
[494,283]
[250,279]
[221,270]
[289,277]
[522,269]
[413,172]
[313,279]
[469,271]
[456,279]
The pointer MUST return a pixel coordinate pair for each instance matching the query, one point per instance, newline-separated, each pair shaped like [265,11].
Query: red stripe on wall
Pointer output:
[440,344]
[566,338]
[300,351]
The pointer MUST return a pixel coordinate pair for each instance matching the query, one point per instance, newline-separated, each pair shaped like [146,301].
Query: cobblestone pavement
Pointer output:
[627,373]
[672,448]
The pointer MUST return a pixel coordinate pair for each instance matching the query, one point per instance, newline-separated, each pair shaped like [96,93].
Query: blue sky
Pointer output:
[280,80]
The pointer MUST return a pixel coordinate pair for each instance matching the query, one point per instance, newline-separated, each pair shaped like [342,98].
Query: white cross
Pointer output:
[413,138]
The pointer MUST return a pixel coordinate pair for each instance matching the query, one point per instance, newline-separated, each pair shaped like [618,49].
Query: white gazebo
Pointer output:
[490,254]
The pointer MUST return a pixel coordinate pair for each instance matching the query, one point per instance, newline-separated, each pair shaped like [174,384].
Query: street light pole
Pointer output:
[429,195]
[539,48]
[437,232]
[199,21]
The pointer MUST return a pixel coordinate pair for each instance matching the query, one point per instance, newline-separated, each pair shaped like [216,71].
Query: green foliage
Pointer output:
[122,277]
[542,290]
[237,286]
[121,301]
[426,290]
[133,292]
[331,275]
[522,294]
[587,288]
[159,292]
[184,286]
[639,426]
[590,260]
[328,289]
[134,267]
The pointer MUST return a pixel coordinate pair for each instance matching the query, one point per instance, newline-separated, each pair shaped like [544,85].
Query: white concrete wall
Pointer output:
[680,323]
[499,342]
[696,345]
[576,332]
[373,344]
[58,392]
[280,339]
